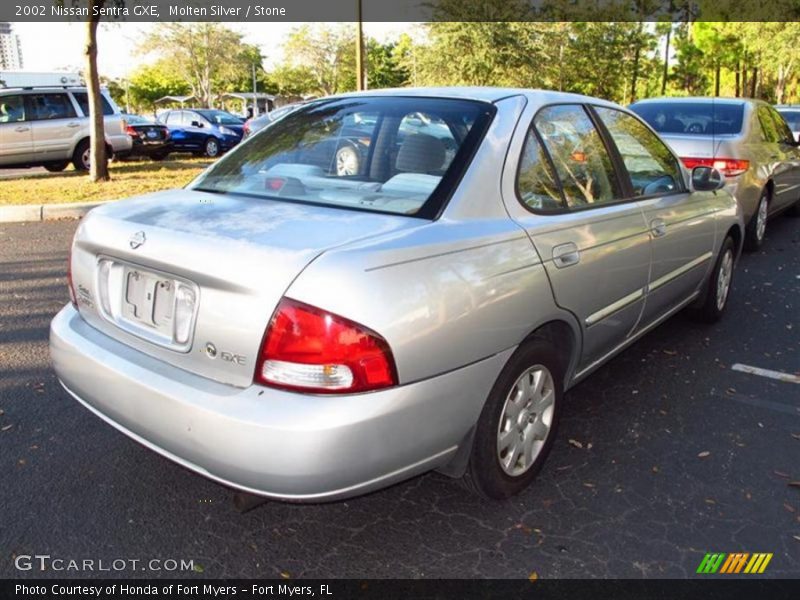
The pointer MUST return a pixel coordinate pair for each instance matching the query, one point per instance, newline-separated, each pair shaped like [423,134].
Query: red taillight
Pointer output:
[166,133]
[246,127]
[730,167]
[72,297]
[311,350]
[131,131]
[274,184]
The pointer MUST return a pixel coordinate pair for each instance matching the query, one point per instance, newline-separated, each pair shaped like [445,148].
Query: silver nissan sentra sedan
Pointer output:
[303,334]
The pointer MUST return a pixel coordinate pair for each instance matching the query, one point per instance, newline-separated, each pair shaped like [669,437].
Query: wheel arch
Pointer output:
[564,336]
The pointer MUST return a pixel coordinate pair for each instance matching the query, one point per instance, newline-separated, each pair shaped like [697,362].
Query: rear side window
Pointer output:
[537,185]
[652,167]
[51,106]
[784,131]
[12,109]
[401,155]
[692,118]
[83,102]
[579,155]
[769,128]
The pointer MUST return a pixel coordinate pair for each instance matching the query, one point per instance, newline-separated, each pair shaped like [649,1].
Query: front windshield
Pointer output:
[220,117]
[385,154]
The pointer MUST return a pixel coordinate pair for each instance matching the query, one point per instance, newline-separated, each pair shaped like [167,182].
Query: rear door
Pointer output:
[56,125]
[681,224]
[16,135]
[594,243]
[789,192]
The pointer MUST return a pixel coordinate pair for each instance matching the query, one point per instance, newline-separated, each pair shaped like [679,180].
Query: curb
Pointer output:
[45,212]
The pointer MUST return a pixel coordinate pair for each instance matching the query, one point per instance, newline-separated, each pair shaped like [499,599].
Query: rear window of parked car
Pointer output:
[792,118]
[692,118]
[83,102]
[384,154]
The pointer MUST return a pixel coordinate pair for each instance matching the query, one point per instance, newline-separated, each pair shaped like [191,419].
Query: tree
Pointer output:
[383,69]
[208,56]
[98,170]
[325,54]
[151,82]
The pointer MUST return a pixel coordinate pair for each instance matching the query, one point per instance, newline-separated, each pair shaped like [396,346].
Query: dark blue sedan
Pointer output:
[206,132]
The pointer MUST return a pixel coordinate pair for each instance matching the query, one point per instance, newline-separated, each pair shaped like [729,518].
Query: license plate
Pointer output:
[148,300]
[152,134]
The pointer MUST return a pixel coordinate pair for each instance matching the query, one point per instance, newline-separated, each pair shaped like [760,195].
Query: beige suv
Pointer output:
[49,127]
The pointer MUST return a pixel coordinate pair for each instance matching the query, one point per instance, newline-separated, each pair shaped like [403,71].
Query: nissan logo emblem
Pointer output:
[137,239]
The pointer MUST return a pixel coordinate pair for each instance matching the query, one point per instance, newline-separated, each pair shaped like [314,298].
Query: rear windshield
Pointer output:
[395,155]
[792,118]
[692,118]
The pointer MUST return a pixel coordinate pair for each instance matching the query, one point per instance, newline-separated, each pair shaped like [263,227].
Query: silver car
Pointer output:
[304,335]
[49,127]
[747,140]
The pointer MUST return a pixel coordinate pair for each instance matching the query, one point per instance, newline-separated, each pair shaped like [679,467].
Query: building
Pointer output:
[10,49]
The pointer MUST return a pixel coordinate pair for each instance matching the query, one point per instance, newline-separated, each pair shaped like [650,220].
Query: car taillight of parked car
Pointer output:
[131,131]
[730,167]
[311,350]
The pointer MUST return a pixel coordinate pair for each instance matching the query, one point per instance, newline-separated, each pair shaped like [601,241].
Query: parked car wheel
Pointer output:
[81,158]
[347,161]
[757,227]
[518,423]
[57,166]
[211,147]
[719,285]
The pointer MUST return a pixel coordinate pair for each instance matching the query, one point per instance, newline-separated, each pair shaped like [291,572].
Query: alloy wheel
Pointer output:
[526,420]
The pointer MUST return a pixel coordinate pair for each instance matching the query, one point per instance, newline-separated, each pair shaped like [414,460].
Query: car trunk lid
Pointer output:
[133,262]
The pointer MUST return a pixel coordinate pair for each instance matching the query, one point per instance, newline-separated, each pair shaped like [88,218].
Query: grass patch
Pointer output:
[128,178]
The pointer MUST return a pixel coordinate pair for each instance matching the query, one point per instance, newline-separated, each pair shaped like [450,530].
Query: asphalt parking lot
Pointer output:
[664,454]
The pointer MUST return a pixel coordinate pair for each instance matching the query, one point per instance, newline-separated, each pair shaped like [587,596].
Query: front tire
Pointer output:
[211,148]
[517,426]
[719,285]
[757,227]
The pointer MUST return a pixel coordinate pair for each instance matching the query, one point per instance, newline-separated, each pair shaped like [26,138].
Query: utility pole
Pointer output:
[359,49]
[255,93]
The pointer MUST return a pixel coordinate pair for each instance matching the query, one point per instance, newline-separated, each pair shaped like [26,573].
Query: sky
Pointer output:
[118,43]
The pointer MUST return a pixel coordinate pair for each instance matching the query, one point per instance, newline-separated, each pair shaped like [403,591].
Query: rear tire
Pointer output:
[82,156]
[56,167]
[757,227]
[518,423]
[719,285]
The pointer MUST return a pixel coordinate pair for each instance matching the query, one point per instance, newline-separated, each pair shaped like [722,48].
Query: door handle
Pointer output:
[658,228]
[566,255]
[22,128]
[73,124]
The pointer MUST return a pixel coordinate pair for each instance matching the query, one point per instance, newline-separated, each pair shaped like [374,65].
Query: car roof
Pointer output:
[483,94]
[698,99]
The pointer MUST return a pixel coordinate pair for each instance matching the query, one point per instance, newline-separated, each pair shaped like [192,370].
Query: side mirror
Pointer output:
[707,179]
[196,124]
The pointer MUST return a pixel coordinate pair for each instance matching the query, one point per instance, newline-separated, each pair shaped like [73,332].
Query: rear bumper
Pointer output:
[265,441]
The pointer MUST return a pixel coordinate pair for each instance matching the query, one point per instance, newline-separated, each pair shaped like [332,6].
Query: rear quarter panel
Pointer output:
[443,296]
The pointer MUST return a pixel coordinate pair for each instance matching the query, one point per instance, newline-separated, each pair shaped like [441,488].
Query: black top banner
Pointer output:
[398,10]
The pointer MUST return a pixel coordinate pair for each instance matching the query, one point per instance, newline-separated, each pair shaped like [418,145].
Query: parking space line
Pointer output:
[766,373]
[780,407]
